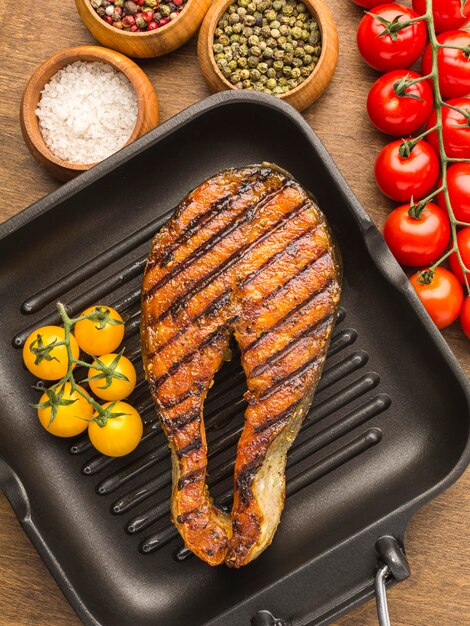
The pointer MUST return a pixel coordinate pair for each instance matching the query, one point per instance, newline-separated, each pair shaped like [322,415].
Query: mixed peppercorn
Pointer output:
[139,15]
[267,45]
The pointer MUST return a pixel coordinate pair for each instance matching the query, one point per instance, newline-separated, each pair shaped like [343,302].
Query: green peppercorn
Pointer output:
[296,33]
[235,77]
[267,45]
[141,23]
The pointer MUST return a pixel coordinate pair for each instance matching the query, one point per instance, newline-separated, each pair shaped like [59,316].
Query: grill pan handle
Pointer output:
[393,566]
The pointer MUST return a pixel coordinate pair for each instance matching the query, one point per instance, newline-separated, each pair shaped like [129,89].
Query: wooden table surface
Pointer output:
[438,540]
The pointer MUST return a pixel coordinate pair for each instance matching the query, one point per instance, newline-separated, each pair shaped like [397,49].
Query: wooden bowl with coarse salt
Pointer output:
[308,91]
[145,44]
[147,104]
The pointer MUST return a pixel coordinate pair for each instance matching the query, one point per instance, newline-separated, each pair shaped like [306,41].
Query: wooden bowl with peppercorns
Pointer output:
[137,85]
[129,27]
[287,48]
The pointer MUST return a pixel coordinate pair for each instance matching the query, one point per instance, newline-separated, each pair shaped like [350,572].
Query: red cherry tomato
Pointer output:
[465,316]
[448,14]
[442,297]
[458,183]
[401,177]
[456,129]
[396,109]
[417,241]
[386,52]
[454,65]
[463,242]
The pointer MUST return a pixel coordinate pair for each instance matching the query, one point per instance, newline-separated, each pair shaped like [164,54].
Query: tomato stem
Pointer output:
[102,414]
[439,104]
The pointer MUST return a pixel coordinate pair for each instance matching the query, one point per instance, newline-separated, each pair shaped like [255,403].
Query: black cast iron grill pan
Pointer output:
[379,440]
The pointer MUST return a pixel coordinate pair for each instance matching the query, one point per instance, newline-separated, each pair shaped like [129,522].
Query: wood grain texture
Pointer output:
[302,96]
[147,44]
[147,103]
[438,546]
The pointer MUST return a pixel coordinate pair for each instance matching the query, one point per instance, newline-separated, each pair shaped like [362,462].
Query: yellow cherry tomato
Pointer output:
[116,382]
[121,434]
[42,358]
[64,412]
[102,333]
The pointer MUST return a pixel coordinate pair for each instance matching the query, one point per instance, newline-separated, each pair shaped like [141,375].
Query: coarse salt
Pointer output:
[86,112]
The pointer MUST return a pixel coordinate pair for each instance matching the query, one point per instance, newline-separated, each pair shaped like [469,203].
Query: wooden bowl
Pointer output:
[147,44]
[147,102]
[307,92]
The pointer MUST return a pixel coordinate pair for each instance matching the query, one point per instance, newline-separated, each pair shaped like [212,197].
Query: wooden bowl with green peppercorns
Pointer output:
[295,60]
[145,44]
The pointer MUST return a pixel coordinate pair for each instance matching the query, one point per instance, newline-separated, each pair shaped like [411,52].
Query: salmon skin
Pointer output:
[247,253]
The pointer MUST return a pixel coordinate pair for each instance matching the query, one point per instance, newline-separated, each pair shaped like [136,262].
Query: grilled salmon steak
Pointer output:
[247,253]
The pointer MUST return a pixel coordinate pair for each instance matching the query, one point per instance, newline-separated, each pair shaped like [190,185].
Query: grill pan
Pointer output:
[379,441]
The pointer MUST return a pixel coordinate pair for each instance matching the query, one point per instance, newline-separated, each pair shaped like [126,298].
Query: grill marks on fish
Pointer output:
[227,265]
[247,252]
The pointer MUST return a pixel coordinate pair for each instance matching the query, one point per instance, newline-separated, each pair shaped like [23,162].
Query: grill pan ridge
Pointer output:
[378,441]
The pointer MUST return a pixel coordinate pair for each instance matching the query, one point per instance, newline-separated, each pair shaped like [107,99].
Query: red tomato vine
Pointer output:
[445,67]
